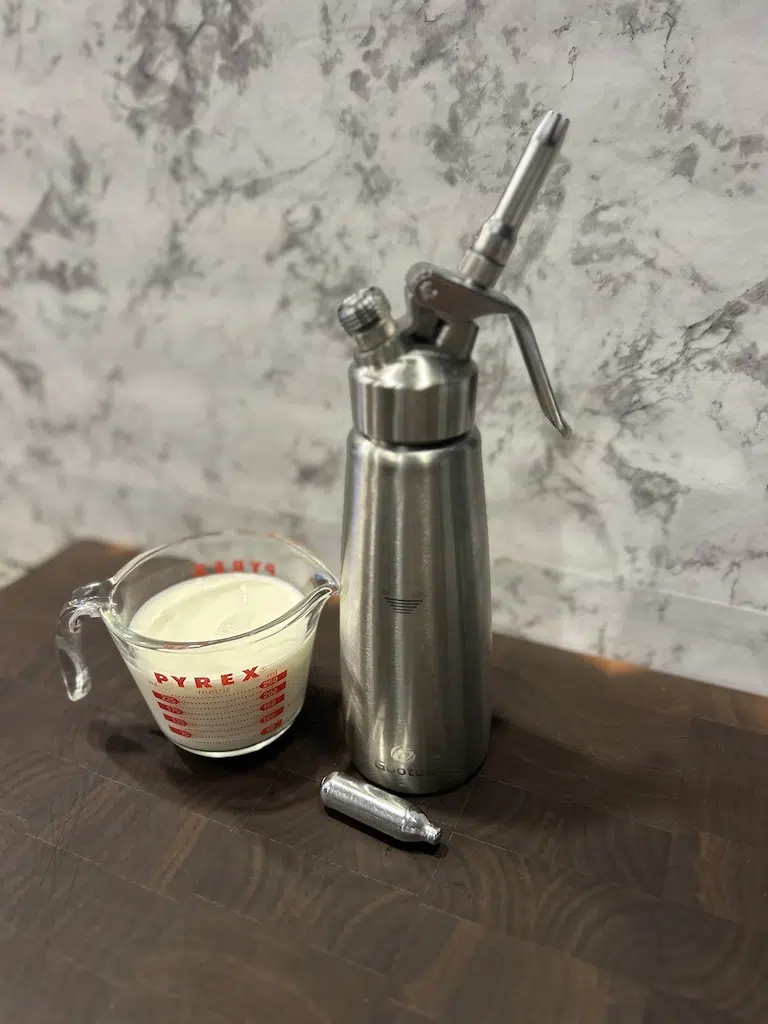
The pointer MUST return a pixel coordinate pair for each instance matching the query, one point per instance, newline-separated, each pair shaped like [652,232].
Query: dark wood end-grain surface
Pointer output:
[609,864]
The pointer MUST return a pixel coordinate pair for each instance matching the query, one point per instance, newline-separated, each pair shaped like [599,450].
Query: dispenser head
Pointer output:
[430,349]
[456,299]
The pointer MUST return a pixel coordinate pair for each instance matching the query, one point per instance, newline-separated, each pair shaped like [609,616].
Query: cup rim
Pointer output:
[325,589]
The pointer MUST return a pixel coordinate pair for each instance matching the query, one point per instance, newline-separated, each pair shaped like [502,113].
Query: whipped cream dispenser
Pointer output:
[415,584]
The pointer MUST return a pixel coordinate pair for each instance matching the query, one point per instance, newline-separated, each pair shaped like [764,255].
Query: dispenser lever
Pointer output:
[454,300]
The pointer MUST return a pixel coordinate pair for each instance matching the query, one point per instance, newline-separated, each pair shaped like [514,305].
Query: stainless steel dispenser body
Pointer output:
[415,579]
[415,621]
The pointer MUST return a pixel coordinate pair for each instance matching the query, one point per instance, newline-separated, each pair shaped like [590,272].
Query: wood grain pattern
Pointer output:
[606,866]
[725,878]
[608,846]
[453,970]
[39,987]
[665,1009]
[725,783]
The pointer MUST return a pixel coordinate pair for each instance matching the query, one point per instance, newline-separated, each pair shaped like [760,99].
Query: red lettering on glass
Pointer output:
[177,721]
[273,679]
[237,565]
[272,703]
[168,697]
[273,691]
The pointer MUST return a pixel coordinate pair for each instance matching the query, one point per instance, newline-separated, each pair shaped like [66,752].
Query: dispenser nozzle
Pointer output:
[454,301]
[485,260]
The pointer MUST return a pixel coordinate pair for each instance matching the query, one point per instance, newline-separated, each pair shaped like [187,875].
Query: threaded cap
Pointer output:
[365,309]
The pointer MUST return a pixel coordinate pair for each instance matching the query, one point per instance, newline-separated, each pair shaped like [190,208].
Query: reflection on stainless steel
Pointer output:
[378,809]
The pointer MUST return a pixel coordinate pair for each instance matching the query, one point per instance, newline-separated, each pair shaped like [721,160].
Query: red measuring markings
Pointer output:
[272,680]
[273,691]
[205,682]
[168,707]
[166,697]
[180,732]
[271,728]
[272,703]
[238,565]
[176,721]
[271,715]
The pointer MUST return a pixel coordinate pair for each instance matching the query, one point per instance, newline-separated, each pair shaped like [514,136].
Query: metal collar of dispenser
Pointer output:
[425,397]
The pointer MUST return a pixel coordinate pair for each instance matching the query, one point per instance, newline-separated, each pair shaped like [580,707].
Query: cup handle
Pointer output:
[85,601]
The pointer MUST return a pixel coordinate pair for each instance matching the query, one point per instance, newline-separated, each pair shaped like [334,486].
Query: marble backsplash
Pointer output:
[189,187]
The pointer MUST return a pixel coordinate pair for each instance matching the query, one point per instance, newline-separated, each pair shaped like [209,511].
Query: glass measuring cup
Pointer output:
[216,695]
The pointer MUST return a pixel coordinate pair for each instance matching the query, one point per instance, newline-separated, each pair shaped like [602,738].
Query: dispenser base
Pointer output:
[416,782]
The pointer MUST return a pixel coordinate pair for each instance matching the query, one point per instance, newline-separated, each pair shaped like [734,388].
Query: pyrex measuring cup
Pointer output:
[218,695]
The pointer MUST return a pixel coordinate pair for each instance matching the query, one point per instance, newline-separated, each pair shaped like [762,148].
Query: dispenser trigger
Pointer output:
[456,301]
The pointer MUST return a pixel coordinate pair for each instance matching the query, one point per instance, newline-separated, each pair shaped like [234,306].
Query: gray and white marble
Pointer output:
[189,187]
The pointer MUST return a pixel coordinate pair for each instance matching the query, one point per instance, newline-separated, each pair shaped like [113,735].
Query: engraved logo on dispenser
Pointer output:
[403,755]
[401,763]
[402,605]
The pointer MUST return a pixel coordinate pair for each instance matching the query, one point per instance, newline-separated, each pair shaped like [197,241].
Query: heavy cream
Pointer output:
[229,696]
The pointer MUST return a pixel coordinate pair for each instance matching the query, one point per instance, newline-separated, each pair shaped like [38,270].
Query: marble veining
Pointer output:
[189,188]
